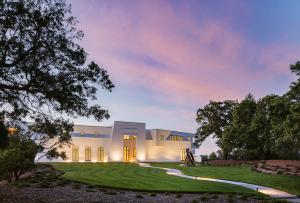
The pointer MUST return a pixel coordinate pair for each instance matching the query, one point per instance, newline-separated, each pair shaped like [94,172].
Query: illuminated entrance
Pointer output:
[129,148]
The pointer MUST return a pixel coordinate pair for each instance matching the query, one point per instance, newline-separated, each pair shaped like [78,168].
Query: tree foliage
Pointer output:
[44,72]
[3,135]
[213,118]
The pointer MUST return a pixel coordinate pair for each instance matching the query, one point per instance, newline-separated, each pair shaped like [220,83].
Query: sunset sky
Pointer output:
[168,58]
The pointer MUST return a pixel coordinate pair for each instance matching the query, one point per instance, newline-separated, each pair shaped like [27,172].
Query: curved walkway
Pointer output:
[265,190]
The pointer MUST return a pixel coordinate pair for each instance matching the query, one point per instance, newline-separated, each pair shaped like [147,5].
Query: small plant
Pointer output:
[139,196]
[178,195]
[90,186]
[90,190]
[260,197]
[77,186]
[22,184]
[244,196]
[111,193]
[230,197]
[44,185]
[204,198]
[214,196]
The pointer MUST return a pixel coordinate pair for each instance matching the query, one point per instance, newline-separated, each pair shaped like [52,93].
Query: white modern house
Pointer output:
[126,141]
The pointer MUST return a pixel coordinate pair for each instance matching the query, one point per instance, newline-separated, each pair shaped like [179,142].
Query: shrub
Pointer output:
[17,158]
[212,156]
[76,186]
[90,186]
[139,196]
[89,190]
[204,198]
[178,195]
[215,196]
[244,197]
[44,185]
[153,195]
[229,197]
[204,158]
[194,201]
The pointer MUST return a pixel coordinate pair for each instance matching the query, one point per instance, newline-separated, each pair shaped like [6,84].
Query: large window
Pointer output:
[175,138]
[88,153]
[182,154]
[162,137]
[100,154]
[75,153]
[126,153]
[134,152]
[181,138]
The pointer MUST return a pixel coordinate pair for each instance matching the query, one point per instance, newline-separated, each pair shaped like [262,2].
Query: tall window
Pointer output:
[88,153]
[134,152]
[100,153]
[126,153]
[75,153]
[181,138]
[182,154]
[162,137]
[189,138]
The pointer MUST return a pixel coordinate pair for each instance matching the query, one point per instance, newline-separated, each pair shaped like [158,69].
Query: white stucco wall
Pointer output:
[166,150]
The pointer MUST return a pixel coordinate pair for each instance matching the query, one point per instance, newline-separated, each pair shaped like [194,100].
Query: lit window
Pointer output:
[176,138]
[126,137]
[100,153]
[189,138]
[162,137]
[182,154]
[88,153]
[75,153]
[181,138]
[134,152]
[126,153]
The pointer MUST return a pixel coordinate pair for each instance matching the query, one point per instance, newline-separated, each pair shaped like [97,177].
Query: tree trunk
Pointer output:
[9,177]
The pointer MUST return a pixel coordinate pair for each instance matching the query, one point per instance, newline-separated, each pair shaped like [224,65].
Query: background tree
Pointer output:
[44,72]
[213,118]
[240,133]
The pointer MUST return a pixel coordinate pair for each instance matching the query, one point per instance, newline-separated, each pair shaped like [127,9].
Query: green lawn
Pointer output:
[242,173]
[131,176]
